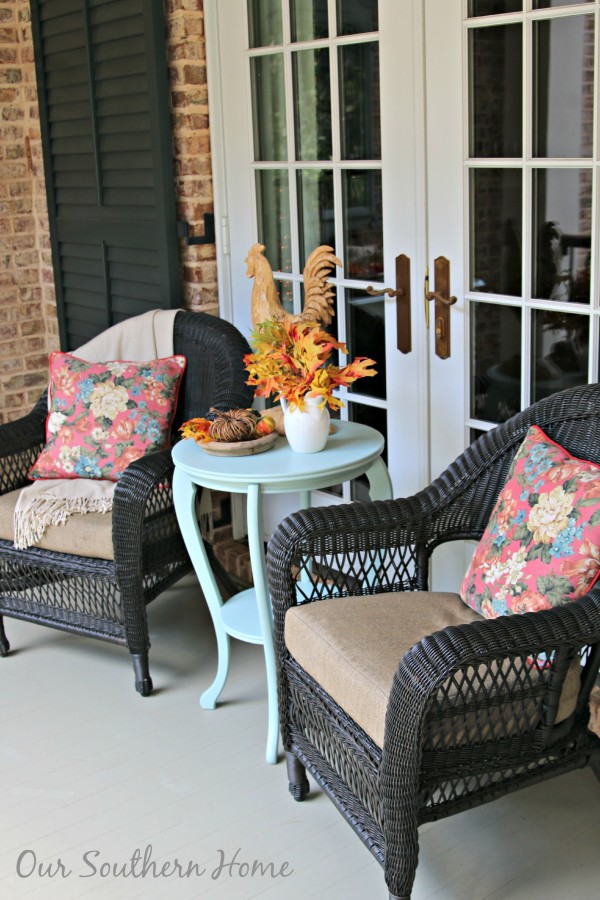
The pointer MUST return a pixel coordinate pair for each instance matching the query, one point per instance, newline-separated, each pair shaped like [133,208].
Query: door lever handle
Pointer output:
[435,295]
[389,291]
[402,296]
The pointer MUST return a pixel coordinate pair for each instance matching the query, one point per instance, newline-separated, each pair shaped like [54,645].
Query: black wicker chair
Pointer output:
[106,598]
[469,717]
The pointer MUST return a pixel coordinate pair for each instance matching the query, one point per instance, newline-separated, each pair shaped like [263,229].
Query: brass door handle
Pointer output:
[402,295]
[434,295]
[389,291]
[443,301]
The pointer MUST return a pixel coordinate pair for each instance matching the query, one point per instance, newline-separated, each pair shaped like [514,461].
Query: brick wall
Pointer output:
[28,329]
[193,173]
[28,325]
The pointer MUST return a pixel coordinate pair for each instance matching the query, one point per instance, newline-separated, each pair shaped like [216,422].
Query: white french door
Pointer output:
[512,173]
[318,139]
[463,129]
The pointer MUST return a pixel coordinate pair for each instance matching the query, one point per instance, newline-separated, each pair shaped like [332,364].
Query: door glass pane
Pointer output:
[495,78]
[357,16]
[495,231]
[273,215]
[316,223]
[309,20]
[359,101]
[365,329]
[546,4]
[286,294]
[563,86]
[312,104]
[562,205]
[264,21]
[560,348]
[363,223]
[268,107]
[493,7]
[495,361]
[475,434]
[376,418]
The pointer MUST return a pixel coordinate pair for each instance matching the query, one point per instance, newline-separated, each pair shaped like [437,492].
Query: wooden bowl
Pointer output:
[240,448]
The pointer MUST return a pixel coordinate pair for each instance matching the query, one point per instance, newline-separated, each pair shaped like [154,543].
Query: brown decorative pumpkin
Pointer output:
[233,425]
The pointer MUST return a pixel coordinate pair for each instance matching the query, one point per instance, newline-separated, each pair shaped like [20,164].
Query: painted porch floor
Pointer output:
[87,765]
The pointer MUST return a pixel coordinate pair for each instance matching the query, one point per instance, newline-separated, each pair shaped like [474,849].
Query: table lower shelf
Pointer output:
[239,616]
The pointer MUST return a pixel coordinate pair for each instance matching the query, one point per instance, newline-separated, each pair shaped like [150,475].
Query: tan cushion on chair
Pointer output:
[89,535]
[352,646]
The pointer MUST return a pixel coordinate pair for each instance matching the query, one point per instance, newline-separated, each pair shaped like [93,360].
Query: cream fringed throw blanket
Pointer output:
[51,501]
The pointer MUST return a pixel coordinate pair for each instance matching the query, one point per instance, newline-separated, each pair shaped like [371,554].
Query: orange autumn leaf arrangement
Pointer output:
[291,360]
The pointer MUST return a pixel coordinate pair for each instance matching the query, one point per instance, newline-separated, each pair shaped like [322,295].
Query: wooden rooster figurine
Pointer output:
[318,293]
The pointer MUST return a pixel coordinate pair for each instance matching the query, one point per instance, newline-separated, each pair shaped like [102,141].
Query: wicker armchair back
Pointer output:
[466,720]
[107,598]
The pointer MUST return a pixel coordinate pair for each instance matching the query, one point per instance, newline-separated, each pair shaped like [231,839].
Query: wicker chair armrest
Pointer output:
[470,648]
[20,443]
[453,661]
[357,548]
[133,491]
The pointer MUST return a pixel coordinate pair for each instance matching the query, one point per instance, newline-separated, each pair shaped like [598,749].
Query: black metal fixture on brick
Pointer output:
[183,231]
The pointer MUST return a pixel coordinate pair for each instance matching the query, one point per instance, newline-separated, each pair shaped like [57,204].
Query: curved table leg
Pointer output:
[257,558]
[184,496]
[380,483]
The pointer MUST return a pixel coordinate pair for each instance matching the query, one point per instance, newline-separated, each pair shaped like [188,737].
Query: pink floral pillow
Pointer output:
[103,416]
[541,547]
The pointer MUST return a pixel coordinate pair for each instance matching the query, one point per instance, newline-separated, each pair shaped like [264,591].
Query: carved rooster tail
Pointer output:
[318,293]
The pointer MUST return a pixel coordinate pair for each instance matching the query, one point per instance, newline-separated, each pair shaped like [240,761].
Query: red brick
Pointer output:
[174,5]
[10,133]
[11,365]
[10,76]
[30,295]
[26,258]
[8,35]
[24,223]
[15,401]
[8,55]
[15,151]
[35,326]
[8,331]
[194,74]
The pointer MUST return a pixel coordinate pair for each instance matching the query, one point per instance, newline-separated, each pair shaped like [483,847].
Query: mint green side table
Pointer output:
[351,451]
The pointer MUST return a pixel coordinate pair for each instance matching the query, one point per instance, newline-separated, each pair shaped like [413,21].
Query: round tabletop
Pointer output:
[350,450]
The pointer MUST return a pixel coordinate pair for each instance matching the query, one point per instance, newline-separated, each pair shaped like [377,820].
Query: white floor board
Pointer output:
[86,764]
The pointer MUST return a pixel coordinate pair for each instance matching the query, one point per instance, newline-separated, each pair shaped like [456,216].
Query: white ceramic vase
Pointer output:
[306,429]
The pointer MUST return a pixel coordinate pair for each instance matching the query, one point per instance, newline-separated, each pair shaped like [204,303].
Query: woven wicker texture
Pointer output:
[107,599]
[472,710]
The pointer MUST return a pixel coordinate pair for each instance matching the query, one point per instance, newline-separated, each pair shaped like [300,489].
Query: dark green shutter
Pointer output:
[106,132]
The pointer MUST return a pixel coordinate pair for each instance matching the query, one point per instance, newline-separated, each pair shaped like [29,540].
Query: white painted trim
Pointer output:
[217,150]
[420,333]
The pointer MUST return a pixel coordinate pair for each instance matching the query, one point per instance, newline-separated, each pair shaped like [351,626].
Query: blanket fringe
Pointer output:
[31,522]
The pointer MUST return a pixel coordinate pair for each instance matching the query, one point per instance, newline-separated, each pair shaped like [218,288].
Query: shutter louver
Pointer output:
[102,79]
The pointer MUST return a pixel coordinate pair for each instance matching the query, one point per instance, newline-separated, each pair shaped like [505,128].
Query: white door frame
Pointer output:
[404,215]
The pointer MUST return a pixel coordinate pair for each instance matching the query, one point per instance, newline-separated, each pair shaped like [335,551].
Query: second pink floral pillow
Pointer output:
[103,416]
[541,547]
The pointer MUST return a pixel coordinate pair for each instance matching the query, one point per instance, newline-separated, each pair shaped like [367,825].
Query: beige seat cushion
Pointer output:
[352,646]
[81,535]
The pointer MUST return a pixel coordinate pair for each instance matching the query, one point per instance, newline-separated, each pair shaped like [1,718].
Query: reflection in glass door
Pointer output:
[532,167]
[315,89]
